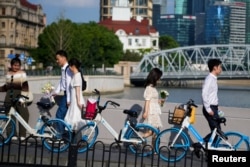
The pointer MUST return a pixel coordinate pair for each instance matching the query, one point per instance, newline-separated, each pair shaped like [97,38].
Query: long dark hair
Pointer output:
[153,76]
[77,63]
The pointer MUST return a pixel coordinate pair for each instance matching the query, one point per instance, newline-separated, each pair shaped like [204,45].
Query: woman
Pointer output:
[16,84]
[152,109]
[74,115]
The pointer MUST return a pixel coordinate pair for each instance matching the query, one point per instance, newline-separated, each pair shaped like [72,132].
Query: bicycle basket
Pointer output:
[91,111]
[177,116]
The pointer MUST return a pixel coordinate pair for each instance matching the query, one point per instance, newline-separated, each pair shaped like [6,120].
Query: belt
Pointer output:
[213,105]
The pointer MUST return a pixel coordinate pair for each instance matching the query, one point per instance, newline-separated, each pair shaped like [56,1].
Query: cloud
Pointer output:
[73,3]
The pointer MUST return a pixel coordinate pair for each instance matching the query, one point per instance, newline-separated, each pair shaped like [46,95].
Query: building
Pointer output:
[21,22]
[142,8]
[226,23]
[178,22]
[133,33]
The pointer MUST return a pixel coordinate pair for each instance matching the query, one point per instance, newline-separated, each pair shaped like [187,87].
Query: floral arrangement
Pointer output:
[163,94]
[47,89]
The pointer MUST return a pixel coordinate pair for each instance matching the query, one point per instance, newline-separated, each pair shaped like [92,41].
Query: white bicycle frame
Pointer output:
[186,124]
[25,124]
[99,119]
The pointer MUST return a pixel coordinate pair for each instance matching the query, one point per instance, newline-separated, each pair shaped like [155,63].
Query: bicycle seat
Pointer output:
[131,113]
[45,105]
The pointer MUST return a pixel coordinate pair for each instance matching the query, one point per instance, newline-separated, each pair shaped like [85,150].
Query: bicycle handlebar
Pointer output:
[191,103]
[101,108]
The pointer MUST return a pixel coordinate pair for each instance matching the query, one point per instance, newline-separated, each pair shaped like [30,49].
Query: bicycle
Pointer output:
[45,129]
[172,144]
[131,133]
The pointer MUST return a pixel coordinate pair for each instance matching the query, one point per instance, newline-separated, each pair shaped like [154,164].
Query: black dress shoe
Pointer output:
[197,148]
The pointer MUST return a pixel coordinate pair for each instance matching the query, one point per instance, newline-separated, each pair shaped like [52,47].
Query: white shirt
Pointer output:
[64,84]
[210,92]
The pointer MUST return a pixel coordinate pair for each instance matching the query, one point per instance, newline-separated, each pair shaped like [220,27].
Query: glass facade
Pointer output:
[180,27]
[217,27]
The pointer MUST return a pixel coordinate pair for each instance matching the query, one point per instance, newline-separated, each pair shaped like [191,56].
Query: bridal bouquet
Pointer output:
[163,94]
[47,89]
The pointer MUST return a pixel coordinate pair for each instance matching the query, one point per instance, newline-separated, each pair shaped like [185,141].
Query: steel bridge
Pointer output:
[190,63]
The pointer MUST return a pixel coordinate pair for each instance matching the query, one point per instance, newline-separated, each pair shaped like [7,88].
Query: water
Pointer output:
[228,96]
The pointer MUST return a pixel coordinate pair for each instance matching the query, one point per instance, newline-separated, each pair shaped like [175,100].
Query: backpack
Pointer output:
[84,83]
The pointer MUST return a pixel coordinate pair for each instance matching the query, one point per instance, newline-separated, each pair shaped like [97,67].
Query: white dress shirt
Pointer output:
[210,92]
[64,84]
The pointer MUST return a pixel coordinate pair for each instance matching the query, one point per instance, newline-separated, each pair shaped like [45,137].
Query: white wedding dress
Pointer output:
[73,115]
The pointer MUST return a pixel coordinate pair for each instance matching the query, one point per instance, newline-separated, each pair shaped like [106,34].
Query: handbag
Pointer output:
[91,110]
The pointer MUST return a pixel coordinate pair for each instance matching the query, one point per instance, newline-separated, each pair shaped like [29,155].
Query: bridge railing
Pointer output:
[191,62]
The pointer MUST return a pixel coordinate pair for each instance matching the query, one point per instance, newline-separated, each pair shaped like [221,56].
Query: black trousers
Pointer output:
[211,121]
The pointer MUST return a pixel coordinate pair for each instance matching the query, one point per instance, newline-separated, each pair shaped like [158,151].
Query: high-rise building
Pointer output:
[141,8]
[179,23]
[20,24]
[217,24]
[226,23]
[247,2]
[180,27]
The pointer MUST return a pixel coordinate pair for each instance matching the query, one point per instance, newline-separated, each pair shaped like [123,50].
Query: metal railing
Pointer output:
[32,153]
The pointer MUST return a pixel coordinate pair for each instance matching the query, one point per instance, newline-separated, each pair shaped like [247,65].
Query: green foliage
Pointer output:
[167,42]
[91,43]
[131,56]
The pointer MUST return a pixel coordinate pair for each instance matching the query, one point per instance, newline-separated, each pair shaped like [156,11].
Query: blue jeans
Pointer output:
[61,111]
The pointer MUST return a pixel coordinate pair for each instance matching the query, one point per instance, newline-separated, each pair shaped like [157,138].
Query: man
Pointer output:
[210,99]
[64,85]
[210,95]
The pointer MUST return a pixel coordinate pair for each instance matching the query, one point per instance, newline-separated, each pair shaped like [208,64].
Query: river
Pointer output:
[229,96]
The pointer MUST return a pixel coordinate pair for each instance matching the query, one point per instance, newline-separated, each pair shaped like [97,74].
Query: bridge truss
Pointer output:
[189,63]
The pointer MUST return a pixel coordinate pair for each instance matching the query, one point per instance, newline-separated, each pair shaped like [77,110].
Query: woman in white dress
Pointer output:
[152,109]
[74,115]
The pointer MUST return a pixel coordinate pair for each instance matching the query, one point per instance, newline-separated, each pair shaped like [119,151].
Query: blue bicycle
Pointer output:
[172,144]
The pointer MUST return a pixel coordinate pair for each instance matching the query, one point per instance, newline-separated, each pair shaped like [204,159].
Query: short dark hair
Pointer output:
[213,63]
[15,60]
[62,53]
[153,76]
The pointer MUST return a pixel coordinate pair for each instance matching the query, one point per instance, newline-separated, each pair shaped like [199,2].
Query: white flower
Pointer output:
[164,94]
[47,88]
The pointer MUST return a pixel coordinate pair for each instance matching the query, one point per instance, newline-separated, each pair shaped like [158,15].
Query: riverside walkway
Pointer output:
[238,119]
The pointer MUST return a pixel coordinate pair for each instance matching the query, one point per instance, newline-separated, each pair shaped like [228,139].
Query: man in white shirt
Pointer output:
[210,100]
[210,95]
[64,85]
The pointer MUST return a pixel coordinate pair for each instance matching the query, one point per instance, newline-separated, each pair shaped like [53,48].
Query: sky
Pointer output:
[75,10]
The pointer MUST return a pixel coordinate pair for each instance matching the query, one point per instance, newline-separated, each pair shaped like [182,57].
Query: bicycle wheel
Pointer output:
[60,141]
[6,131]
[86,137]
[238,141]
[146,148]
[177,151]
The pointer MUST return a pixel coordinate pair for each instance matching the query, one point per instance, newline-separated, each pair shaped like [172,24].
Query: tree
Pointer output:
[131,56]
[167,42]
[91,43]
[54,37]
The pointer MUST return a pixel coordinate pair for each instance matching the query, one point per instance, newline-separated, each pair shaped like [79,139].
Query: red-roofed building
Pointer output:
[133,33]
[21,22]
